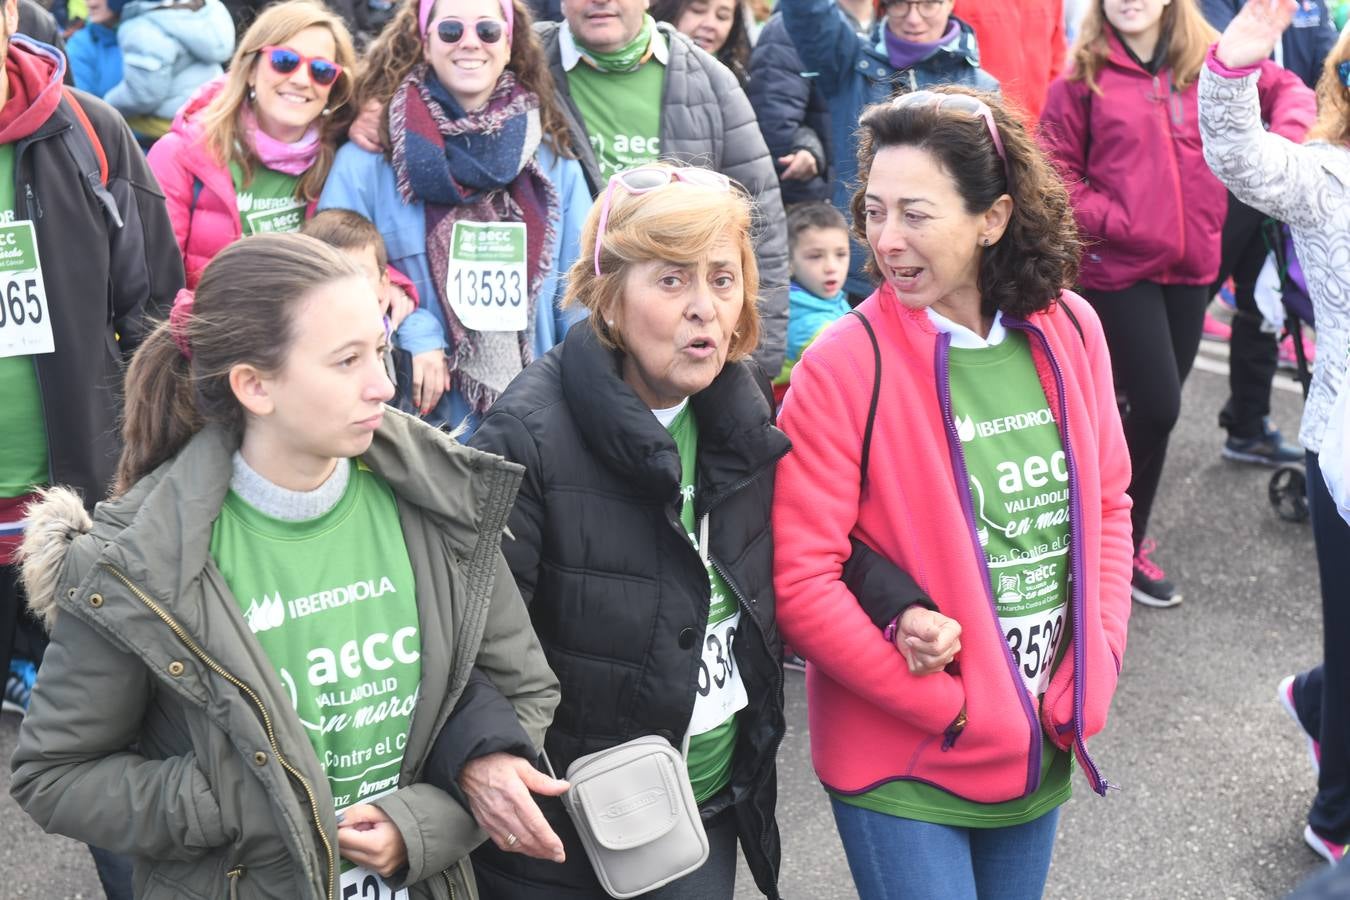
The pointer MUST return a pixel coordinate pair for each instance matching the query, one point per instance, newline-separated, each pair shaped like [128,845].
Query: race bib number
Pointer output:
[1034,641]
[25,323]
[276,220]
[485,279]
[721,693]
[363,884]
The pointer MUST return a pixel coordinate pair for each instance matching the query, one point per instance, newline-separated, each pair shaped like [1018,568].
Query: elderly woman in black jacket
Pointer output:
[640,538]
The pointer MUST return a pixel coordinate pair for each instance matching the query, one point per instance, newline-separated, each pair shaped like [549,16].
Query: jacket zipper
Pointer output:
[449,882]
[233,877]
[216,667]
[741,601]
[963,488]
[1099,784]
[1174,165]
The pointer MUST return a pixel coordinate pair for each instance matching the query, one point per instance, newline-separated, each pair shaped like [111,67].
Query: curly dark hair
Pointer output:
[398,49]
[1038,255]
[735,53]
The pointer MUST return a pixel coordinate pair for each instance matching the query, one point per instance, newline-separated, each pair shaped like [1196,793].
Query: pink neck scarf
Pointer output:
[289,159]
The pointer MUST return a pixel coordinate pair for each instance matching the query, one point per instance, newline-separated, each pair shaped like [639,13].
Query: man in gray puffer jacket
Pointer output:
[634,90]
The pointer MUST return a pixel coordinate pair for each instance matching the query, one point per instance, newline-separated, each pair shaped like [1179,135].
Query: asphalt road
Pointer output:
[1214,779]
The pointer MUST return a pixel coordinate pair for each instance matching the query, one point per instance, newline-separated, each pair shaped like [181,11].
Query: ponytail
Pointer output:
[243,313]
[160,413]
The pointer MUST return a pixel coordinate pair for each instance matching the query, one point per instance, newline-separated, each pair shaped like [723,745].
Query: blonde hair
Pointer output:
[679,222]
[1185,33]
[221,127]
[1333,98]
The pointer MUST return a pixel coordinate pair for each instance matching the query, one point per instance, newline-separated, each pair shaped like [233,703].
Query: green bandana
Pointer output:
[626,58]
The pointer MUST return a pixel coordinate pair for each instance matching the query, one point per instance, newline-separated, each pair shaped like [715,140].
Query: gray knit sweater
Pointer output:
[1306,186]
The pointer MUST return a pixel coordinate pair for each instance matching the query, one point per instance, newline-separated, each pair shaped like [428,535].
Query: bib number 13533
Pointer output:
[25,323]
[485,277]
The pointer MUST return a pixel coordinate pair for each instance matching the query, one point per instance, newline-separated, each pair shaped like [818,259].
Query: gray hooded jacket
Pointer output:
[159,729]
[706,120]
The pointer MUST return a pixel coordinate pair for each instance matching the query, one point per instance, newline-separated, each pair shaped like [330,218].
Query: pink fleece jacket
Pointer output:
[871,720]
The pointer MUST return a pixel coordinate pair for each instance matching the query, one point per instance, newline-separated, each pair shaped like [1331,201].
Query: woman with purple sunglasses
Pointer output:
[478,199]
[250,152]
[1306,186]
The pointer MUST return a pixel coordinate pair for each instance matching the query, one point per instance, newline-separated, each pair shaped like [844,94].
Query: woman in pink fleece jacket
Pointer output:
[995,475]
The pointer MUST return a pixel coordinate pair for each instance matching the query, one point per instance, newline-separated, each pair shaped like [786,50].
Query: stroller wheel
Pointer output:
[1288,493]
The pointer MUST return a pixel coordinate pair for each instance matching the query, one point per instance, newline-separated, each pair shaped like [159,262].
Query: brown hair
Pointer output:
[222,129]
[735,53]
[243,312]
[678,222]
[816,214]
[398,49]
[1037,256]
[1333,98]
[1185,33]
[347,230]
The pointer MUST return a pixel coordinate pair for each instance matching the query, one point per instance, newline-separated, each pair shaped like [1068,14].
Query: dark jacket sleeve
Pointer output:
[884,590]
[824,39]
[777,90]
[483,722]
[146,270]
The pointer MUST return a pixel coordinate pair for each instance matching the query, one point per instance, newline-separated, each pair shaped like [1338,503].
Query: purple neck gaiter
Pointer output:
[904,54]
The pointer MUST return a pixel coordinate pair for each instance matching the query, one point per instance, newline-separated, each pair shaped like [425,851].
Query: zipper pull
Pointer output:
[954,730]
[34,207]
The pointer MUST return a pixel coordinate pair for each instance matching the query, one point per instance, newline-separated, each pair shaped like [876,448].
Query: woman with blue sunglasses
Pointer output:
[250,152]
[1306,186]
[478,199]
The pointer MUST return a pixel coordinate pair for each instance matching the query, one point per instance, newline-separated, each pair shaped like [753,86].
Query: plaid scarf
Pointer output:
[476,167]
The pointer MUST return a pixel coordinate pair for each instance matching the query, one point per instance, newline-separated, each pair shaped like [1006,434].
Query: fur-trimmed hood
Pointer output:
[55,520]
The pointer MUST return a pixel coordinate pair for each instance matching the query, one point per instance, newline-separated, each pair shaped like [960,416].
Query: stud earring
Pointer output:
[252,95]
[326,112]
[986,242]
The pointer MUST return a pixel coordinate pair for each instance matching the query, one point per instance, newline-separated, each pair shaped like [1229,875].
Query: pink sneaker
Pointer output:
[1332,853]
[1215,330]
[1285,694]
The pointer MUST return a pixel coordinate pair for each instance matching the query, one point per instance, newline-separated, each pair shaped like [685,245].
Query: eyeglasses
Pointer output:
[451,31]
[1343,70]
[926,8]
[648,178]
[284,61]
[961,103]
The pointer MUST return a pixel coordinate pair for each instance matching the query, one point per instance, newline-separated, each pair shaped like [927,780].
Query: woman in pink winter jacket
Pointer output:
[250,152]
[990,465]
[1123,128]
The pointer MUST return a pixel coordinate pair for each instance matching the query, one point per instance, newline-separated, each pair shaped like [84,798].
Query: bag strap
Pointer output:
[1074,319]
[876,396]
[87,151]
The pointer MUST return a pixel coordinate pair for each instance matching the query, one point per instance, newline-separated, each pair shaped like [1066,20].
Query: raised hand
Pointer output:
[1252,34]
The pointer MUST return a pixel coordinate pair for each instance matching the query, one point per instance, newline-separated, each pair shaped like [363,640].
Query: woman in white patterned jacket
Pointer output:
[1308,187]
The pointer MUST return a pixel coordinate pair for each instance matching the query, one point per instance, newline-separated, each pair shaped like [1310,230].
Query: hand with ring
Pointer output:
[499,787]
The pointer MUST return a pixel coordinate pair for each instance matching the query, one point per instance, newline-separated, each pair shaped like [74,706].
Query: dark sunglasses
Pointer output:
[284,61]
[451,31]
[1343,70]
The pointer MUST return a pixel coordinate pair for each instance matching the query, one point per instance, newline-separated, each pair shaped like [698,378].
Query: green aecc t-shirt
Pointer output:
[23,423]
[268,203]
[332,601]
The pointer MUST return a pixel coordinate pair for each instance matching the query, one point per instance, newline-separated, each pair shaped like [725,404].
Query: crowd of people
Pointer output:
[415,490]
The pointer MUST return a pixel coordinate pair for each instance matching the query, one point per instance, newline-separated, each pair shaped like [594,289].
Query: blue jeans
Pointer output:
[903,859]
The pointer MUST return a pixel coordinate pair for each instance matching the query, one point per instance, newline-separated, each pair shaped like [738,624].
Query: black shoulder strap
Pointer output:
[876,395]
[1074,319]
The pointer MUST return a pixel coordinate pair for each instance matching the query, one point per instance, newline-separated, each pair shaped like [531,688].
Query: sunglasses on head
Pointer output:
[649,178]
[489,31]
[965,103]
[284,61]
